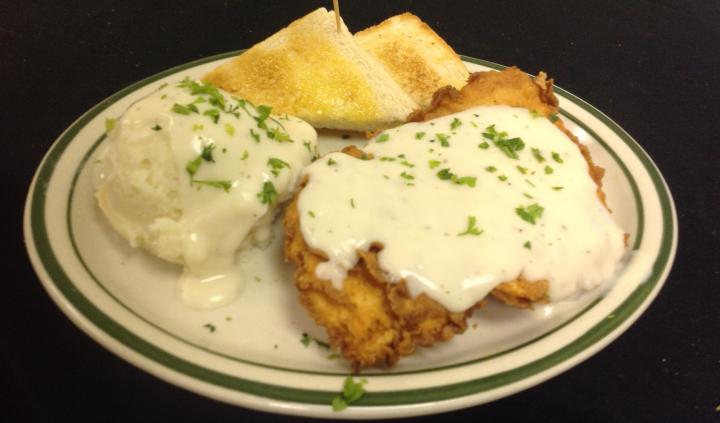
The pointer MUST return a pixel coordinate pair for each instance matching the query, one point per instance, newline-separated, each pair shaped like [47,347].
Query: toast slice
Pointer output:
[321,75]
[417,58]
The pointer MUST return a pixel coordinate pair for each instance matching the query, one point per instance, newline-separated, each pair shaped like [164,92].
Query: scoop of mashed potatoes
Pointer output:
[192,174]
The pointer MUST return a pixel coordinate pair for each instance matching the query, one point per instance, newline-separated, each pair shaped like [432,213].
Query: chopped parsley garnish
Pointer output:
[535,114]
[527,195]
[502,178]
[407,163]
[455,124]
[268,195]
[521,169]
[530,183]
[352,203]
[196,88]
[184,110]
[157,127]
[553,118]
[263,114]
[331,162]
[207,151]
[434,163]
[446,175]
[224,185]
[382,138]
[538,156]
[276,165]
[306,339]
[406,175]
[245,155]
[352,391]
[471,228]
[548,170]
[310,149]
[443,140]
[419,135]
[556,157]
[491,169]
[509,146]
[109,125]
[214,114]
[206,154]
[278,135]
[229,129]
[198,127]
[311,214]
[255,135]
[387,159]
[527,245]
[192,166]
[210,327]
[557,188]
[484,145]
[530,213]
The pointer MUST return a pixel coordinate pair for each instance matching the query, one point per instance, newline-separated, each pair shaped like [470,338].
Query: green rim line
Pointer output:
[152,352]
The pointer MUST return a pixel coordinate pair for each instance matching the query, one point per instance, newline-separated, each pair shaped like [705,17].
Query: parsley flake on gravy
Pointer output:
[255,135]
[509,146]
[383,138]
[268,195]
[538,155]
[530,213]
[456,123]
[471,228]
[446,175]
[276,165]
[224,185]
[443,140]
[419,135]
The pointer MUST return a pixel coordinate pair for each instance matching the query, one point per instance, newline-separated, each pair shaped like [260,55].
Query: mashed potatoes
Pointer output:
[192,174]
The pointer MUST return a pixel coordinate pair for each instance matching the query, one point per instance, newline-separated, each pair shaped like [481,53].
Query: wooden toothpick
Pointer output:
[336,6]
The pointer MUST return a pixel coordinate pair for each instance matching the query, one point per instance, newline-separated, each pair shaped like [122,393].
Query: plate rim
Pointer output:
[583,347]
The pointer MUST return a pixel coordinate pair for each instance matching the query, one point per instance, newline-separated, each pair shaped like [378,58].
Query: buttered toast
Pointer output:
[417,58]
[315,72]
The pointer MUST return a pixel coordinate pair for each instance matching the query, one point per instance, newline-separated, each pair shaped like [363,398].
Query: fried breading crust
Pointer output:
[372,321]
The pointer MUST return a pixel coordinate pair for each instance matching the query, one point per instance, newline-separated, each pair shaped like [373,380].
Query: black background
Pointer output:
[653,66]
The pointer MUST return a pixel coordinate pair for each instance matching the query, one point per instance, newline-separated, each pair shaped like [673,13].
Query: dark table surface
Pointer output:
[651,65]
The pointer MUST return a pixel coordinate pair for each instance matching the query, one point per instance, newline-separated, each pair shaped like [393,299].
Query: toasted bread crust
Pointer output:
[321,75]
[418,59]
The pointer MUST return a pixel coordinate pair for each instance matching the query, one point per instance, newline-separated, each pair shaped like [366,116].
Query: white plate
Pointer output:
[125,300]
